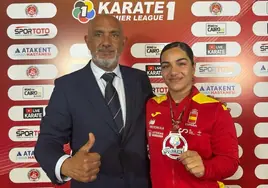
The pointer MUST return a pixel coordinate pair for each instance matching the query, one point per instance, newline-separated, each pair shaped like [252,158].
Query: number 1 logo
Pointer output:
[84,11]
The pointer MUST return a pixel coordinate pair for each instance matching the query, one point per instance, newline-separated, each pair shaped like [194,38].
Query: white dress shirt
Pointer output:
[119,86]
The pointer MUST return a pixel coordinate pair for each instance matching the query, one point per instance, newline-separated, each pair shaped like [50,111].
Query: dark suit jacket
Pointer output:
[76,108]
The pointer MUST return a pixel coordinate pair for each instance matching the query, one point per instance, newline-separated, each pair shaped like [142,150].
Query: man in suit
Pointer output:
[100,111]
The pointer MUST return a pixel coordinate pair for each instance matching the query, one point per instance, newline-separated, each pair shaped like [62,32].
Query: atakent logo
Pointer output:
[84,11]
[261,68]
[22,155]
[32,51]
[220,89]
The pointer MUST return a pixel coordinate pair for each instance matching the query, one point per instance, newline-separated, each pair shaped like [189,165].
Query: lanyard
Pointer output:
[176,122]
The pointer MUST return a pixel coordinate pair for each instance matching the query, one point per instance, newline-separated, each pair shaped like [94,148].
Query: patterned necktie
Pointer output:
[112,100]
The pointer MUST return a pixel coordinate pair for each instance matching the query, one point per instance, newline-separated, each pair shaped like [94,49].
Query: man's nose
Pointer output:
[106,42]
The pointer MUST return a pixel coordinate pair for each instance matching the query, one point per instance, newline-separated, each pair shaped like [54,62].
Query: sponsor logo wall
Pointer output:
[45,40]
[28,62]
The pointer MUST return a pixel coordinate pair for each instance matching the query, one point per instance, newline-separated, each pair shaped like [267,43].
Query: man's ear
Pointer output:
[86,38]
[87,41]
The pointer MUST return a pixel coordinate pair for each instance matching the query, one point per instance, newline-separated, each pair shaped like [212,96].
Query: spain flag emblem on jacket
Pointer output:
[192,117]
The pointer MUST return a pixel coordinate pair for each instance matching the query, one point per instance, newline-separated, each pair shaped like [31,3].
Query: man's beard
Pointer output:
[107,63]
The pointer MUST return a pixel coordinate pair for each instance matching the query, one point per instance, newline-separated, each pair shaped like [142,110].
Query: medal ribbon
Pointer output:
[176,123]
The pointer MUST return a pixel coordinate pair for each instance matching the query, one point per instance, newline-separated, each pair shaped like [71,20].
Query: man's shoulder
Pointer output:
[70,78]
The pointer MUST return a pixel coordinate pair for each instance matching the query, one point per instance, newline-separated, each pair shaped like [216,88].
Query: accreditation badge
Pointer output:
[174,145]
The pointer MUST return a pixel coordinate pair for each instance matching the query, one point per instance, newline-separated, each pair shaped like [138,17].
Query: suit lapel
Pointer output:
[130,87]
[93,94]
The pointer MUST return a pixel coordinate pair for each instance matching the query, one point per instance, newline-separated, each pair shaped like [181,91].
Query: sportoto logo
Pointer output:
[24,133]
[32,31]
[84,11]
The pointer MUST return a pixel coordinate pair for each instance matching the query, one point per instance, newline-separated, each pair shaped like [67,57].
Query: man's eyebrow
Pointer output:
[101,31]
[98,31]
[164,62]
[115,31]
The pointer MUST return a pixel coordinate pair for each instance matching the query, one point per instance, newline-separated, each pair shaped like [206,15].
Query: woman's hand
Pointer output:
[193,163]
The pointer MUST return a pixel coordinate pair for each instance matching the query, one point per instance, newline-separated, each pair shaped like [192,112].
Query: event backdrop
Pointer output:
[44,39]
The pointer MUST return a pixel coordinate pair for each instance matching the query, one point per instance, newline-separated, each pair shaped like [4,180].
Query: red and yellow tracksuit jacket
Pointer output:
[209,130]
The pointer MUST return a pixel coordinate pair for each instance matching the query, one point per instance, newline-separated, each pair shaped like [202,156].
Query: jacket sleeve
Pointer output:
[225,160]
[55,131]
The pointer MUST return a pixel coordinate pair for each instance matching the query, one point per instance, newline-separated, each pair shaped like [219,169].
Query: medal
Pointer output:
[174,144]
[175,140]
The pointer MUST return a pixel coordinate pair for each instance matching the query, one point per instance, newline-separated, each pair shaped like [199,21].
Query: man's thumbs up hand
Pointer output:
[84,165]
[91,140]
